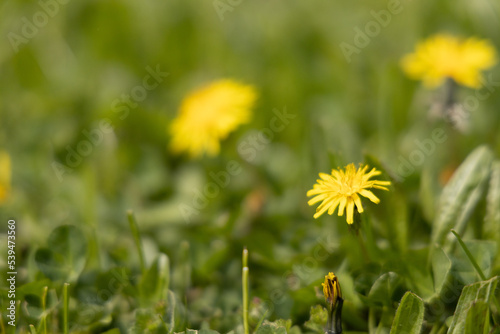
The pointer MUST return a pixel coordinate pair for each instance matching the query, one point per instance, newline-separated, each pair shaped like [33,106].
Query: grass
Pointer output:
[87,264]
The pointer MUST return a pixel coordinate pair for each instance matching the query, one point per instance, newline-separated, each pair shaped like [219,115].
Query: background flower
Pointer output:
[444,56]
[209,114]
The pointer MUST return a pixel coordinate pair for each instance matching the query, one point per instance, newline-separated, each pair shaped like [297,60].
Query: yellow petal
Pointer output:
[350,212]
[368,194]
[342,205]
[357,201]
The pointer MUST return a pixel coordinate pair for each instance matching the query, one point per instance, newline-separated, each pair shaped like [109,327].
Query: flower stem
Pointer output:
[244,278]
[334,324]
[65,308]
[357,227]
[44,309]
[245,299]
[450,94]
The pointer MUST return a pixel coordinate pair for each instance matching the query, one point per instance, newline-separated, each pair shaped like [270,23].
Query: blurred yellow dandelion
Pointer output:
[331,289]
[443,56]
[209,114]
[342,189]
[5,176]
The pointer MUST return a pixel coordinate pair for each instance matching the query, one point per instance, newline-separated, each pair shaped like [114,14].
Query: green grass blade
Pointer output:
[469,255]
[245,299]
[65,308]
[137,238]
[44,309]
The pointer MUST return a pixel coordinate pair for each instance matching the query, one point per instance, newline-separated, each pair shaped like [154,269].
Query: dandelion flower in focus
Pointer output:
[342,189]
[209,114]
[443,56]
[5,176]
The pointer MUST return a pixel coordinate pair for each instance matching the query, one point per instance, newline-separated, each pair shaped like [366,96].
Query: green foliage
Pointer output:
[461,195]
[317,320]
[86,264]
[65,257]
[409,316]
[472,313]
[153,286]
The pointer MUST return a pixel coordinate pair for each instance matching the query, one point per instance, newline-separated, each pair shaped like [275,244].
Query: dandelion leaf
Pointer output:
[471,312]
[461,195]
[409,316]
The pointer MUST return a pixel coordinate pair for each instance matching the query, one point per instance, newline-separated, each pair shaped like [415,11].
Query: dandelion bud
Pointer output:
[331,289]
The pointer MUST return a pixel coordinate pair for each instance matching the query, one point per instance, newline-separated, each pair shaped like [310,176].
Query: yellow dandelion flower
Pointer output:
[331,289]
[443,56]
[5,176]
[209,114]
[342,189]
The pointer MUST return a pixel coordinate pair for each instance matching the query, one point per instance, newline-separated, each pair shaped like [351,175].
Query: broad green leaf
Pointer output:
[66,255]
[90,318]
[112,331]
[384,289]
[283,323]
[317,320]
[441,265]
[472,294]
[146,321]
[478,318]
[409,316]
[207,331]
[460,196]
[176,314]
[416,266]
[271,328]
[154,283]
[35,288]
[492,220]
[201,331]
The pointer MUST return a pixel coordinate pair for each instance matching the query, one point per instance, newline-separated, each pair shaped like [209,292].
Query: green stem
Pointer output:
[450,94]
[245,299]
[137,238]
[337,320]
[469,255]
[32,329]
[434,329]
[329,322]
[65,308]
[359,225]
[245,257]
[44,304]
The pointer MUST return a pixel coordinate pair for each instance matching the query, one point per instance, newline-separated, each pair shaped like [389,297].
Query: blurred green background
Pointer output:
[61,80]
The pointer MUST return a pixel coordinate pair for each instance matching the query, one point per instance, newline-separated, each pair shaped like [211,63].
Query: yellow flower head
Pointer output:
[208,115]
[444,56]
[5,175]
[342,189]
[331,289]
